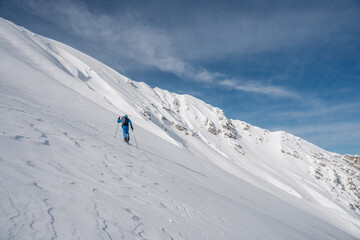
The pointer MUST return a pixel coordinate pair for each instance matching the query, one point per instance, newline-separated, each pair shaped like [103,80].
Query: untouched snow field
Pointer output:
[195,173]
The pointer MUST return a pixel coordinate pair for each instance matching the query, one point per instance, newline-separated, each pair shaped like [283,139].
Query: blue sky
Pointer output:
[279,65]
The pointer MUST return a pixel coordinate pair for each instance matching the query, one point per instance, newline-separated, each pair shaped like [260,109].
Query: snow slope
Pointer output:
[196,173]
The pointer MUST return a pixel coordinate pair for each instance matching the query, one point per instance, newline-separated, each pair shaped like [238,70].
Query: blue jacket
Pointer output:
[119,121]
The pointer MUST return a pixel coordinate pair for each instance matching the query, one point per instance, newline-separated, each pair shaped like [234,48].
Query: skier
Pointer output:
[125,126]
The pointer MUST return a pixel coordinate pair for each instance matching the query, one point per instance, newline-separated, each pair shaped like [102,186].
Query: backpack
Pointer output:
[125,121]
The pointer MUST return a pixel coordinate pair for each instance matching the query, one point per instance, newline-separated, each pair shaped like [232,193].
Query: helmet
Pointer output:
[126,116]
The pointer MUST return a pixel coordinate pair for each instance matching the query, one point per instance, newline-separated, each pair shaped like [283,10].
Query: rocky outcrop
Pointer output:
[146,112]
[353,161]
[180,128]
[239,149]
[341,174]
[211,127]
[229,129]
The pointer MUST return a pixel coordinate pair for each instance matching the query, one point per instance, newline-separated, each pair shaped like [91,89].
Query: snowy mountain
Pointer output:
[195,174]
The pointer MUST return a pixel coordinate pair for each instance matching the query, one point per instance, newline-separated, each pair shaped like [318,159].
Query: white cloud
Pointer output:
[321,110]
[128,35]
[258,88]
[264,27]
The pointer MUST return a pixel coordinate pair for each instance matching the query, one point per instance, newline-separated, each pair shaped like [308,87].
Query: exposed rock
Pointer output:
[239,149]
[176,102]
[354,207]
[180,128]
[212,130]
[354,159]
[323,164]
[228,125]
[167,108]
[211,127]
[130,82]
[146,112]
[294,153]
[220,113]
[230,135]
[229,129]
[246,127]
[318,175]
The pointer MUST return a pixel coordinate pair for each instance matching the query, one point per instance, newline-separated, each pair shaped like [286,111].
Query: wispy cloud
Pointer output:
[322,111]
[259,26]
[258,88]
[128,35]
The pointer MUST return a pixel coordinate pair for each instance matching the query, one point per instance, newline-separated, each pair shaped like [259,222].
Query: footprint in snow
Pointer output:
[18,137]
[29,163]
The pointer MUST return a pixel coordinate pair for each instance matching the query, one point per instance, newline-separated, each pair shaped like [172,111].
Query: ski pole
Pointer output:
[135,139]
[116,129]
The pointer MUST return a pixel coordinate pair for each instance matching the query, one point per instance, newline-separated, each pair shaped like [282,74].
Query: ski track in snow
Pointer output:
[12,219]
[103,221]
[167,234]
[52,219]
[188,225]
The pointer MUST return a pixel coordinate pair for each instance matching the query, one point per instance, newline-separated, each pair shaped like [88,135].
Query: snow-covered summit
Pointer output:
[196,173]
